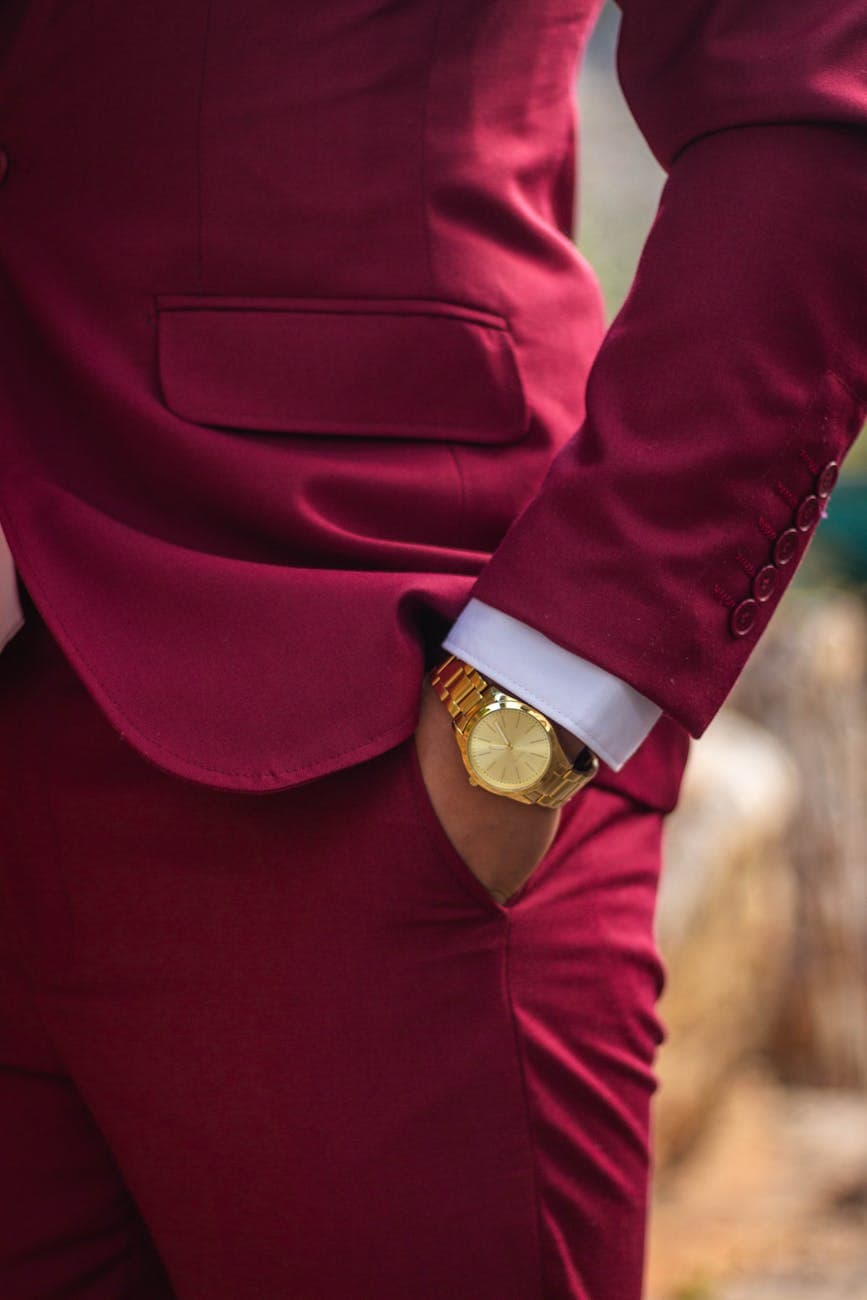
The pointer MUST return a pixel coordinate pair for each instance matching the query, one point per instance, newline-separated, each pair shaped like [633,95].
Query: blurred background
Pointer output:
[761,1120]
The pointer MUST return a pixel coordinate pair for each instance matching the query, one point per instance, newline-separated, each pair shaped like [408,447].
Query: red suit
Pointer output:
[293,322]
[296,345]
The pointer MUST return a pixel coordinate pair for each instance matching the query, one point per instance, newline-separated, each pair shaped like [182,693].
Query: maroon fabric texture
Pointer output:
[228,515]
[285,1045]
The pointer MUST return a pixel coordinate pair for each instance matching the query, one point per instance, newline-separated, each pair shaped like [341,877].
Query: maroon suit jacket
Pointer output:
[295,347]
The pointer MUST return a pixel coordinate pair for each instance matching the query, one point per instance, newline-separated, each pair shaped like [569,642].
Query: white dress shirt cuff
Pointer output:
[600,709]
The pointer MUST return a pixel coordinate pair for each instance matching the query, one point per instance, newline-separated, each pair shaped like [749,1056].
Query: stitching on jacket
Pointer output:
[746,565]
[367,309]
[723,596]
[765,527]
[787,494]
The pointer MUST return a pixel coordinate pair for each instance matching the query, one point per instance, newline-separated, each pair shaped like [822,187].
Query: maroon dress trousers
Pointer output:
[287,1047]
[298,355]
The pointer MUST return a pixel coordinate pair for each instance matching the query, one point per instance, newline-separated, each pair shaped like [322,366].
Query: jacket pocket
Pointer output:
[384,368]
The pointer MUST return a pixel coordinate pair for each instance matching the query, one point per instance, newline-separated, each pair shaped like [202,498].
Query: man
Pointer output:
[293,410]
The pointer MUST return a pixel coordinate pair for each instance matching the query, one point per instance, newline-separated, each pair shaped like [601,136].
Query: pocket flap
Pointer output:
[393,369]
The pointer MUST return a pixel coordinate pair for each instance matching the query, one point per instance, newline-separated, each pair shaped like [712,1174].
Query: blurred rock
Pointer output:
[725,921]
[807,682]
[772,1202]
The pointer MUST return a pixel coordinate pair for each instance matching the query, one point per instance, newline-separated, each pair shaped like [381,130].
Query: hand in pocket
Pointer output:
[501,841]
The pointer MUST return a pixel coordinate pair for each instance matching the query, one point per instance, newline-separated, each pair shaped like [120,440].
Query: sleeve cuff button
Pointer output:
[786,546]
[827,478]
[744,617]
[808,514]
[765,583]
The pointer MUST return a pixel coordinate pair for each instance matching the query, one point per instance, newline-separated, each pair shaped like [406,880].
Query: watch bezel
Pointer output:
[502,702]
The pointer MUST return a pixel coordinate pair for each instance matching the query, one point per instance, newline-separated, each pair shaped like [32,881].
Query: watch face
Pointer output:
[509,748]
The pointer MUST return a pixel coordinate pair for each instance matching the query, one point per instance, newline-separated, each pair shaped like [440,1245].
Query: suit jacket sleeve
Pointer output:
[669,526]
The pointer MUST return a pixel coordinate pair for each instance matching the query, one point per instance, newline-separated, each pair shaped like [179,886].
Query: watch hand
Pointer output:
[502,733]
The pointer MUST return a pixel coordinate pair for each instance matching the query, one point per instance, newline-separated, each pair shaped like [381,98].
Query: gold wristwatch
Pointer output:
[507,746]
